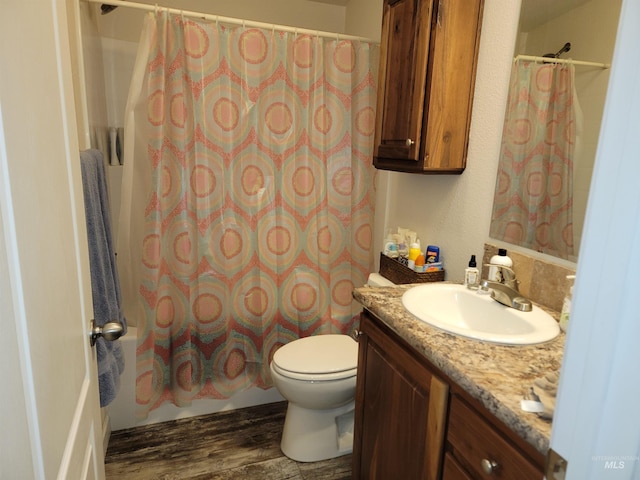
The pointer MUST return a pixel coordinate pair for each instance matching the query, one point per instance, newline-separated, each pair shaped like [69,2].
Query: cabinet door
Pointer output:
[400,427]
[404,52]
[482,450]
[455,38]
[452,469]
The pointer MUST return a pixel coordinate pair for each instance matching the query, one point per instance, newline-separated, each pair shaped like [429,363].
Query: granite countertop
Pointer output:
[496,375]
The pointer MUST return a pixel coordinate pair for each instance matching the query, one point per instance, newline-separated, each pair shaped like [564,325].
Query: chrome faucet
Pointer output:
[506,292]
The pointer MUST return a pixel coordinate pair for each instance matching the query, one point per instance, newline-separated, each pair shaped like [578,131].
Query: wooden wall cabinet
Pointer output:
[428,56]
[412,422]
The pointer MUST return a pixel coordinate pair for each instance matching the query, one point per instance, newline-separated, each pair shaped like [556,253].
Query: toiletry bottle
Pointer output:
[401,242]
[390,248]
[502,259]
[471,274]
[566,307]
[433,254]
[414,251]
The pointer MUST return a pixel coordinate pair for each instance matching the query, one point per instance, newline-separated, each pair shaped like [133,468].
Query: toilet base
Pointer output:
[314,435]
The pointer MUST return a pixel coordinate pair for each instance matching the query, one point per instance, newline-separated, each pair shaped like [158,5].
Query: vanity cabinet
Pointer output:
[475,446]
[428,56]
[412,422]
[400,410]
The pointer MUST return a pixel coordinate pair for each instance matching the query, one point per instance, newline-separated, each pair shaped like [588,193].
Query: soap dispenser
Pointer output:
[566,307]
[501,259]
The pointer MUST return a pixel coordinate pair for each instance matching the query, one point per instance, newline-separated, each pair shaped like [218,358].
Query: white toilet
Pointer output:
[317,375]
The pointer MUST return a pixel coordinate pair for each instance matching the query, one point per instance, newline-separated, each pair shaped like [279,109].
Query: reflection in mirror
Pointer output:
[552,123]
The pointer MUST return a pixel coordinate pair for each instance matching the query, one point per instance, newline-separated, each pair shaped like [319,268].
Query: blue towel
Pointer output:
[105,286]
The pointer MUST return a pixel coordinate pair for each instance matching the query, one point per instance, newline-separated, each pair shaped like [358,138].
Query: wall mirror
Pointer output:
[551,127]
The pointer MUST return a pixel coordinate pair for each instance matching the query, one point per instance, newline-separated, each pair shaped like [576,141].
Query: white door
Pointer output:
[50,418]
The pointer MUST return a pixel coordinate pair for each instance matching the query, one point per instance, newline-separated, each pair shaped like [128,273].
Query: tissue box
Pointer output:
[393,270]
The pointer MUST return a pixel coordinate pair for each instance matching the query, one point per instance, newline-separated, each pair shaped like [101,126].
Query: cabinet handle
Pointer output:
[356,335]
[409,142]
[489,466]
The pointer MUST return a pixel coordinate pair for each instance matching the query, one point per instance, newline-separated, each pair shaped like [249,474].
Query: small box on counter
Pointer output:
[434,267]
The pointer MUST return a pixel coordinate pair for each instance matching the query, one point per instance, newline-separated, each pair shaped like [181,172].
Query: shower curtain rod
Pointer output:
[235,21]
[561,60]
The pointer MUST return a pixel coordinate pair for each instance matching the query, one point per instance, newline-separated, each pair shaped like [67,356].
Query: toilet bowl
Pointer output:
[317,375]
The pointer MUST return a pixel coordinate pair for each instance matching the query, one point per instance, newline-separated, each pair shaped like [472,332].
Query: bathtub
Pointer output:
[121,413]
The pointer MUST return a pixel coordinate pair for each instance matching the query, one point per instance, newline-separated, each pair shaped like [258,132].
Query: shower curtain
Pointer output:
[248,179]
[534,190]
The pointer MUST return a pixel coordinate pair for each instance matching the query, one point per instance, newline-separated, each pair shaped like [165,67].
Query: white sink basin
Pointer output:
[456,309]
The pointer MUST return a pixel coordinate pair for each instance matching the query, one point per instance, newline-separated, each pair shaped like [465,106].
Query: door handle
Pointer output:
[110,331]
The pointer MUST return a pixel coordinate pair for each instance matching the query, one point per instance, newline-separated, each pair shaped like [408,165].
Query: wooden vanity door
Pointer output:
[399,431]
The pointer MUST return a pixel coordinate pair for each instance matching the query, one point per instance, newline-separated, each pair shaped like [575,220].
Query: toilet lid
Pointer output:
[320,354]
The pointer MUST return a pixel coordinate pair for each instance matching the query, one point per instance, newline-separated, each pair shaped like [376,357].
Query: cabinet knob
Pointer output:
[356,335]
[409,142]
[489,466]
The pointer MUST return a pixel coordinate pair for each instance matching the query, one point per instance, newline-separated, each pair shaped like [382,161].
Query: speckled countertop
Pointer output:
[496,375]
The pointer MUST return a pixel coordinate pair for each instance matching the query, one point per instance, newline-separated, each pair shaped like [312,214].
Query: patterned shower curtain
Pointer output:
[534,191]
[252,200]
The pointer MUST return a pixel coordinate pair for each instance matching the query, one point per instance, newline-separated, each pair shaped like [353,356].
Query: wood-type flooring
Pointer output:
[240,444]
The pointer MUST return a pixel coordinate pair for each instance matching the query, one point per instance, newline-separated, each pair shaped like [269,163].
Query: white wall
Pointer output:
[453,211]
[364,18]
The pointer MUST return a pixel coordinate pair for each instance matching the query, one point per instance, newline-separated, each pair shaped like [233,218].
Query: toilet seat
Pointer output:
[318,358]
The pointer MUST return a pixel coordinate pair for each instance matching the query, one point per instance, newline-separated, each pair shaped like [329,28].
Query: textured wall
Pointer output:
[453,211]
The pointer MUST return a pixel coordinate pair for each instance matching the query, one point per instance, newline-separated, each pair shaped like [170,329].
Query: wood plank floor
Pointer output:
[240,444]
